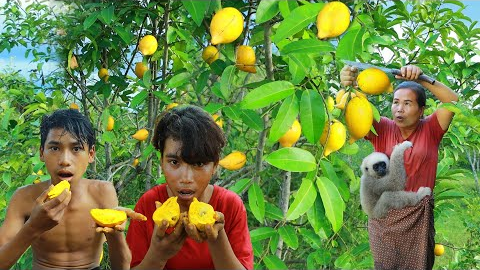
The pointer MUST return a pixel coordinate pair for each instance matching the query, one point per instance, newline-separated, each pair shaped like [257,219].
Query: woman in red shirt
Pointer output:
[405,238]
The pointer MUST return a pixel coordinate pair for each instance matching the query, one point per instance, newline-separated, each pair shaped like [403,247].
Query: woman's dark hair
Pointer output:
[417,89]
[71,121]
[202,139]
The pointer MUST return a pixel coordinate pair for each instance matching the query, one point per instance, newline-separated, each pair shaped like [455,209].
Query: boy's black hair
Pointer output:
[417,88]
[202,139]
[72,121]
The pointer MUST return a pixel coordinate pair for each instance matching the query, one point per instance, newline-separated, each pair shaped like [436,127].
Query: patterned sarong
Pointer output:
[404,239]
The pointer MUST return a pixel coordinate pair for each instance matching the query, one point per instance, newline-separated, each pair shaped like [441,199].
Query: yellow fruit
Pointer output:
[336,139]
[439,250]
[219,122]
[135,162]
[169,211]
[390,88]
[171,106]
[108,217]
[358,117]
[245,59]
[141,134]
[330,104]
[103,74]
[339,95]
[40,172]
[148,45]
[110,123]
[333,20]
[234,161]
[343,100]
[201,214]
[140,69]
[210,54]
[74,106]
[58,189]
[37,181]
[226,26]
[373,81]
[101,257]
[73,64]
[292,135]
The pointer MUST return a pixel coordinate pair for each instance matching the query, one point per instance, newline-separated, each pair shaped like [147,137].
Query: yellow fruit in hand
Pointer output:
[141,134]
[245,59]
[73,64]
[439,250]
[58,189]
[359,118]
[373,81]
[292,135]
[234,161]
[148,45]
[201,214]
[74,106]
[219,122]
[226,26]
[103,74]
[336,138]
[135,162]
[108,217]
[140,69]
[171,106]
[169,211]
[210,54]
[333,20]
[330,104]
[110,123]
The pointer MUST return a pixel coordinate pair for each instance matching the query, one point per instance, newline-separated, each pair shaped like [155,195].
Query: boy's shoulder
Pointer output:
[99,186]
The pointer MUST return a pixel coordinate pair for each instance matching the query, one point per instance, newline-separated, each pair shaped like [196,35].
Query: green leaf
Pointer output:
[287,113]
[286,7]
[316,217]
[262,233]
[139,98]
[332,202]
[289,236]
[329,172]
[256,202]
[125,35]
[273,212]
[108,136]
[178,80]
[201,82]
[233,112]
[266,10]
[240,185]
[312,115]
[162,96]
[226,82]
[351,44]
[266,94]
[296,68]
[450,194]
[252,120]
[304,199]
[292,159]
[7,178]
[197,9]
[90,20]
[297,20]
[107,14]
[306,46]
[274,263]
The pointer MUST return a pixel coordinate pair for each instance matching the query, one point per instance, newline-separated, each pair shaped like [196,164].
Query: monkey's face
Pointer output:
[375,165]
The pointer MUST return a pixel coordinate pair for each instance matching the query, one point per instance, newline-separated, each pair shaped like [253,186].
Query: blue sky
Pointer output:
[16,60]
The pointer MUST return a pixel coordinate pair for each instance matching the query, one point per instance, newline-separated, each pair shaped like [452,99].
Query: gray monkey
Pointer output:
[383,183]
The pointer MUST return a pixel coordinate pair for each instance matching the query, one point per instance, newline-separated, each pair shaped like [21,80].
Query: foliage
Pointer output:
[304,216]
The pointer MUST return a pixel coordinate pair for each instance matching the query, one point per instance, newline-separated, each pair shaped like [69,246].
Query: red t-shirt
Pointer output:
[421,160]
[193,255]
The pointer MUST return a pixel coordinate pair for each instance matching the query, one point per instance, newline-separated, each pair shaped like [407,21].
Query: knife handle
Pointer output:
[422,77]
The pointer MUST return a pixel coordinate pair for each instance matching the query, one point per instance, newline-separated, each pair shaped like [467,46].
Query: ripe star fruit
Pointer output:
[439,250]
[103,74]
[108,217]
[169,211]
[135,162]
[201,214]
[226,26]
[74,106]
[58,189]
[234,161]
[110,123]
[210,54]
[292,135]
[148,45]
[336,139]
[359,118]
[141,134]
[373,81]
[330,104]
[140,69]
[245,59]
[333,20]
